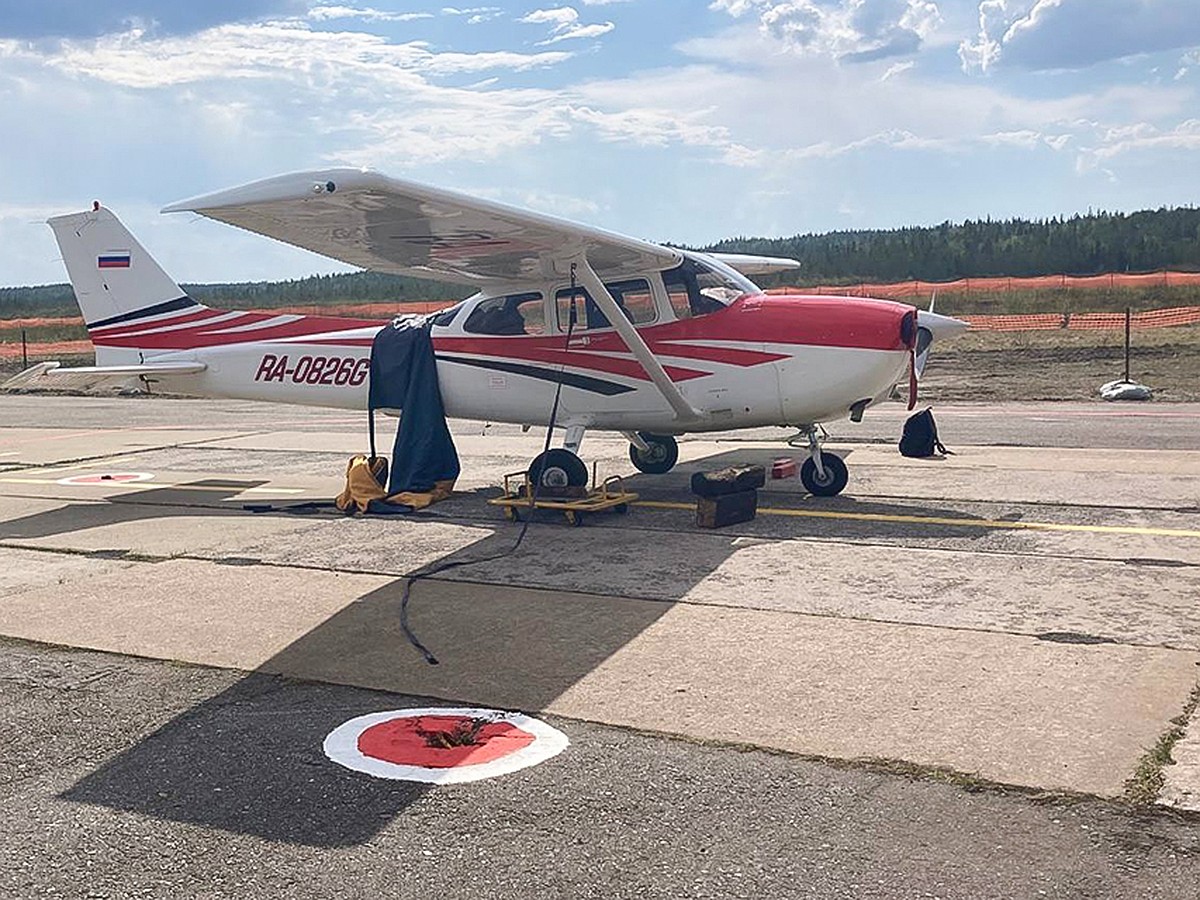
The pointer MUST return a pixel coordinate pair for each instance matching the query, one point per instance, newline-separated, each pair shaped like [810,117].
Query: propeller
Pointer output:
[913,377]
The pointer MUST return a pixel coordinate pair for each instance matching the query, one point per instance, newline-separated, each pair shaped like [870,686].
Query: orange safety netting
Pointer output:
[1152,318]
[66,348]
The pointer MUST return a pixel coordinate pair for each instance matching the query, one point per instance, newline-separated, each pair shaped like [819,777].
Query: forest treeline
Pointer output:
[1079,245]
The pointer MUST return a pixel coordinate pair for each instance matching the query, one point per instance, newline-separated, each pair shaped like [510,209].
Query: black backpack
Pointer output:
[920,436]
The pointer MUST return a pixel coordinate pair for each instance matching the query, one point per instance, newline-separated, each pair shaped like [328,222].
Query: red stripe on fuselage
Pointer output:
[203,335]
[137,326]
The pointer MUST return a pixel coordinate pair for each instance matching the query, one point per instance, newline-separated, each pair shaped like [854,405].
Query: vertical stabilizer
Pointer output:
[116,282]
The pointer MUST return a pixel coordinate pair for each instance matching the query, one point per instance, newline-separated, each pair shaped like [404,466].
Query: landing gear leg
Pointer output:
[574,438]
[823,474]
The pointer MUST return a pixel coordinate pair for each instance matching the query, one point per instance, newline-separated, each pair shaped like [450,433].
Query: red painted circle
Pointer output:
[413,741]
[106,478]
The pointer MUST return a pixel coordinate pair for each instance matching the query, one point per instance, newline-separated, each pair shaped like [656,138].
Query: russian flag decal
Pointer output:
[113,259]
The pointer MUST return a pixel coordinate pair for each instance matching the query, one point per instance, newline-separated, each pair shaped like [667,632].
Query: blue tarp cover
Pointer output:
[404,378]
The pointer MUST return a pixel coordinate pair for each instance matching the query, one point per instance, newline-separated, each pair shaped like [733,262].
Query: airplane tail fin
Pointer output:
[117,283]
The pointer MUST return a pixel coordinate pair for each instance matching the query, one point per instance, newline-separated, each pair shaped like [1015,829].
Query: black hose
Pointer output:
[446,565]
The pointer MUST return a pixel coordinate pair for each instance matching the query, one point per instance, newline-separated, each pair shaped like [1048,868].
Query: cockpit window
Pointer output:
[511,314]
[698,287]
[632,295]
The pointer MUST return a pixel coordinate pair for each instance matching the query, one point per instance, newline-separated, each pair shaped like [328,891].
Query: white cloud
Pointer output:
[896,69]
[565,24]
[367,14]
[559,17]
[1142,136]
[850,30]
[281,51]
[1075,34]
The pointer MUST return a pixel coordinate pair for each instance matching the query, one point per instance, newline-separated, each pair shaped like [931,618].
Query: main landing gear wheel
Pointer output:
[659,457]
[831,483]
[558,468]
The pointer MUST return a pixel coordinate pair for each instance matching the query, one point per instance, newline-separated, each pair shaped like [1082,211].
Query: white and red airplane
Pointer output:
[664,342]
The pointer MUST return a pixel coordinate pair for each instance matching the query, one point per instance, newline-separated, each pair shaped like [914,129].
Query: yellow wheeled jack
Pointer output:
[575,503]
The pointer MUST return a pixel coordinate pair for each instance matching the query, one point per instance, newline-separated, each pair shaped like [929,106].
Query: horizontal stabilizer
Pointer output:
[52,375]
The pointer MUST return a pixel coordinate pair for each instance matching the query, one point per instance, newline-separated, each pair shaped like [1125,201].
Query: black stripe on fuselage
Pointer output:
[571,379]
[155,310]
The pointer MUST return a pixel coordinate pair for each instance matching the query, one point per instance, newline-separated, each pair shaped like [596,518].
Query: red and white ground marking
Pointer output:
[106,478]
[408,744]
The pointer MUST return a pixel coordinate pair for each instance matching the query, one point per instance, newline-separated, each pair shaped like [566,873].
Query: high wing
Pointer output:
[750,265]
[54,375]
[367,219]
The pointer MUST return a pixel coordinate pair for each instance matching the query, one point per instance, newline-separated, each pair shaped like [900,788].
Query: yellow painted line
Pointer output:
[942,520]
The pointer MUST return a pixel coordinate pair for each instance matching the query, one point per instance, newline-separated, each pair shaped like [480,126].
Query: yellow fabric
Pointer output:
[441,490]
[364,483]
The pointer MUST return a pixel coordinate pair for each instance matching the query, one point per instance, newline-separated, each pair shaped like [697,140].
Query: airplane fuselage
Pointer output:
[762,360]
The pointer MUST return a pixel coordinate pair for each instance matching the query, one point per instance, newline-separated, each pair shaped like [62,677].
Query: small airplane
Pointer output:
[646,340]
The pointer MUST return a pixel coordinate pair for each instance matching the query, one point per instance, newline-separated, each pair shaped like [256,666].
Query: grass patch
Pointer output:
[1065,300]
[1143,787]
[42,334]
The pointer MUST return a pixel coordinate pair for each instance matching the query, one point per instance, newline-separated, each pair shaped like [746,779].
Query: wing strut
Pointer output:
[684,411]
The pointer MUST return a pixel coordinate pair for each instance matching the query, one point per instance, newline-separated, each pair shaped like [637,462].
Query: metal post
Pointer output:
[24,351]
[1128,317]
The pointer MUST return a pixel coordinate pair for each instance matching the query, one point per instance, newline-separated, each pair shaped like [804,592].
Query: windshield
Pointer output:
[720,281]
[701,285]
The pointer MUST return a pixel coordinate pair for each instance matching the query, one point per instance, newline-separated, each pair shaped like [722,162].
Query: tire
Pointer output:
[661,456]
[558,468]
[835,478]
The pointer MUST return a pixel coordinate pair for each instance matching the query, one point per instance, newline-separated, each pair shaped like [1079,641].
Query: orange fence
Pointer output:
[908,289]
[1153,318]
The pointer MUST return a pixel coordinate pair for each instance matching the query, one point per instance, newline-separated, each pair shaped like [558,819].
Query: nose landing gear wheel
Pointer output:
[834,480]
[558,468]
[659,457]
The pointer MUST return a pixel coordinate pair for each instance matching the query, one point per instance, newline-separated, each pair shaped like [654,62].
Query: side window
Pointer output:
[513,314]
[587,315]
[633,297]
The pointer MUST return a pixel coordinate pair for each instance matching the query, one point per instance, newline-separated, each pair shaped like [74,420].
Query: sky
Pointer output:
[671,120]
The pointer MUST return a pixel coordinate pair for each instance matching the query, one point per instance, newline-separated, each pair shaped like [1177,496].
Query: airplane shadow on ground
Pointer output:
[197,498]
[250,760]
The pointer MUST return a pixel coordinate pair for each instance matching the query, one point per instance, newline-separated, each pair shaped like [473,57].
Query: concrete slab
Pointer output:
[1149,605]
[26,570]
[44,446]
[218,615]
[1010,709]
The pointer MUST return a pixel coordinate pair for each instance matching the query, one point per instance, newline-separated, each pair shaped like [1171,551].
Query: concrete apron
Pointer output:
[1008,708]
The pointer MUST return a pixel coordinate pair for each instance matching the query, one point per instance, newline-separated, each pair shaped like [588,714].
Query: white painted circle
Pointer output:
[107,478]
[341,746]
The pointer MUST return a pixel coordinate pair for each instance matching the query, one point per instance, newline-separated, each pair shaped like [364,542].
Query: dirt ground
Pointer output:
[1063,365]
